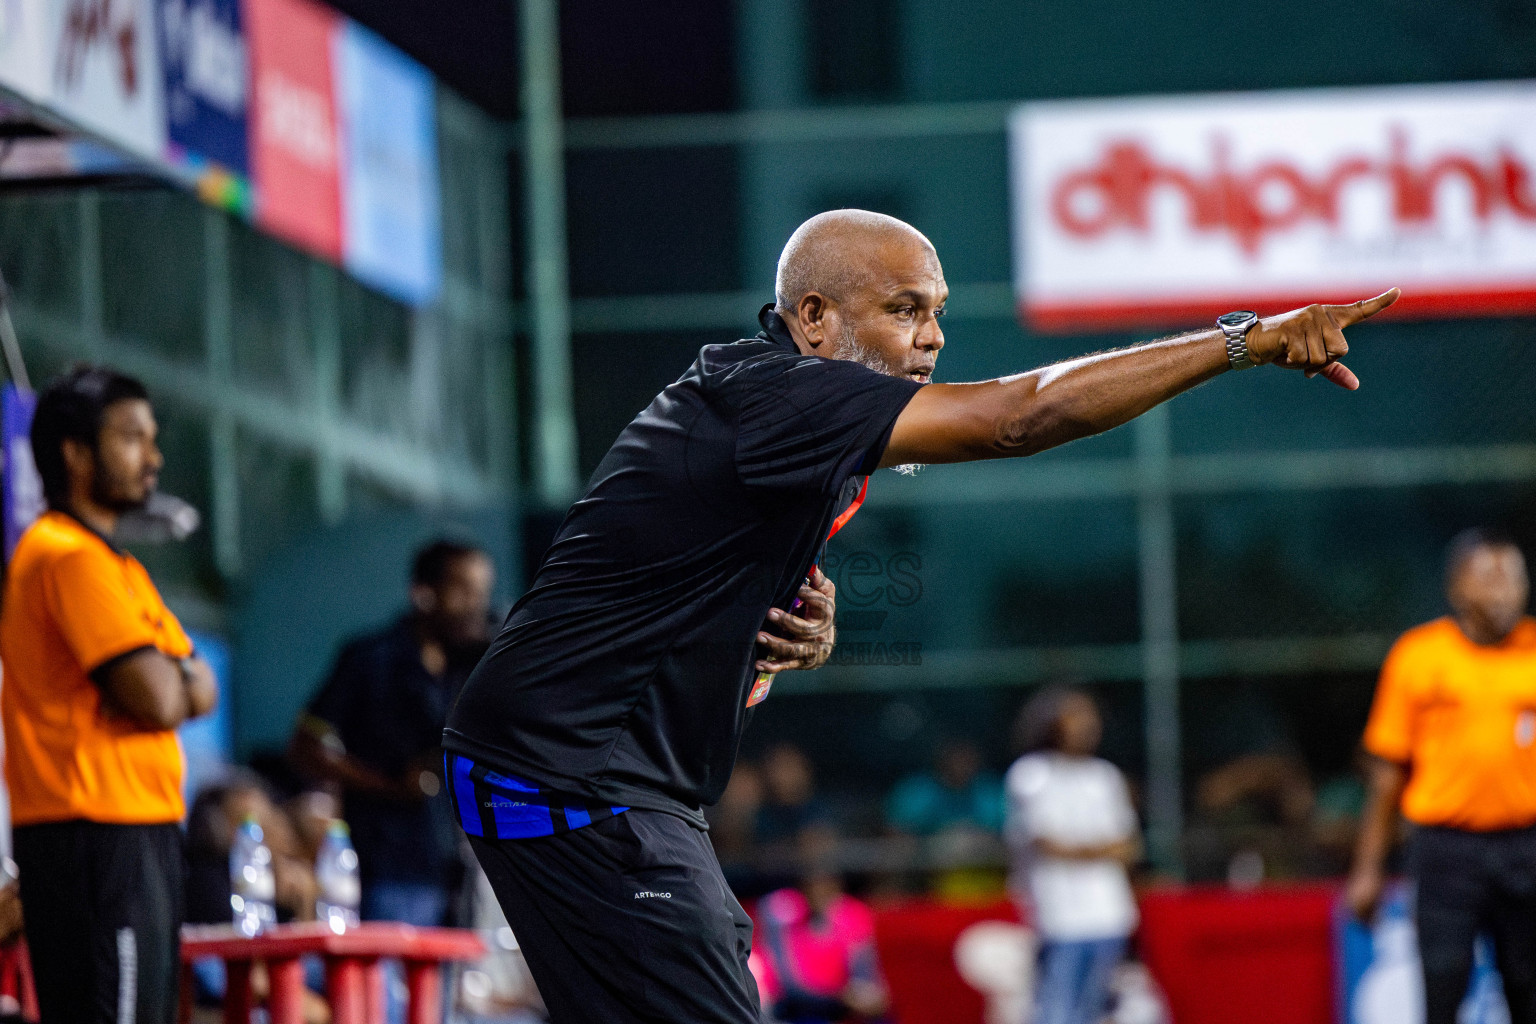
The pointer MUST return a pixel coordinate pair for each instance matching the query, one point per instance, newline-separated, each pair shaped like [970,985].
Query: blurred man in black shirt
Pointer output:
[376,725]
[612,703]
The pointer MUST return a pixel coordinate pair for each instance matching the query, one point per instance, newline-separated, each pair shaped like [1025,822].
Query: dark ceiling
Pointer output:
[660,56]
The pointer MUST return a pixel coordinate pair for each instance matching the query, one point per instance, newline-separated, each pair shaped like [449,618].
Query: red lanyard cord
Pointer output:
[842,520]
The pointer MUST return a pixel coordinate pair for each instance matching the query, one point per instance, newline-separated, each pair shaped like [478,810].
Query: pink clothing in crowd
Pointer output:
[794,953]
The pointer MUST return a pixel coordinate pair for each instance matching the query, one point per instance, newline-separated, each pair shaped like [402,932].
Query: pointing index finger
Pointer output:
[1353,313]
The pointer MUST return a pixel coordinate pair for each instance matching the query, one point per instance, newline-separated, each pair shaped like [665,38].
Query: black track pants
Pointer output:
[103,909]
[1471,882]
[626,920]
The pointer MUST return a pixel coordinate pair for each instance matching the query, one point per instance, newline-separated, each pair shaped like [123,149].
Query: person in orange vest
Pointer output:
[98,675]
[1452,737]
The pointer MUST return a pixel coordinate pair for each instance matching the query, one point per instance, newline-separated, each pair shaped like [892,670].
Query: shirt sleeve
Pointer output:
[1022,785]
[808,423]
[95,609]
[337,698]
[1389,731]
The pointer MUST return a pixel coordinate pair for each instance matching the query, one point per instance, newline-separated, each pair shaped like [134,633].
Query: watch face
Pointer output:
[1237,319]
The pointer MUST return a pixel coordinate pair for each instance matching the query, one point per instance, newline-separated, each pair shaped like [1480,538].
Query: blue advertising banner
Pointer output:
[391,221]
[207,85]
[1380,981]
[23,487]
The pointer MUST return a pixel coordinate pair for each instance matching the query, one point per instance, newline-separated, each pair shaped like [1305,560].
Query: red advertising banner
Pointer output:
[296,160]
[1169,210]
[1219,957]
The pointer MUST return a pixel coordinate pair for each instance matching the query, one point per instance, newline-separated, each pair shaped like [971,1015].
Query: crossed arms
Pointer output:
[156,690]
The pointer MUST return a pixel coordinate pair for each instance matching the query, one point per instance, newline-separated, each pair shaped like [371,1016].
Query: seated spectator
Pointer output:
[814,953]
[311,813]
[216,815]
[1252,815]
[1335,822]
[955,794]
[11,922]
[789,803]
[732,830]
[956,810]
[1272,787]
[18,999]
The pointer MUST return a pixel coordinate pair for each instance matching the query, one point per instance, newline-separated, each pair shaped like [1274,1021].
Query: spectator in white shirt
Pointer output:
[1073,834]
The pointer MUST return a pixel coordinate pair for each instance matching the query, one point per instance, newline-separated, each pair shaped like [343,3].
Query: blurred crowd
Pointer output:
[1260,815]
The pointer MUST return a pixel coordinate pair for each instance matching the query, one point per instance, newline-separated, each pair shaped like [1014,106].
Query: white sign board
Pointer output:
[105,71]
[1168,210]
[23,47]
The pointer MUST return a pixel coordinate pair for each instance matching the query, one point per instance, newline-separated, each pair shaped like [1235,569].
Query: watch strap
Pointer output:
[1237,352]
[1235,326]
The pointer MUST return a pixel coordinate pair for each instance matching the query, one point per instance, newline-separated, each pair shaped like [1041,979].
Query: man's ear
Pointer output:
[79,459]
[423,599]
[811,311]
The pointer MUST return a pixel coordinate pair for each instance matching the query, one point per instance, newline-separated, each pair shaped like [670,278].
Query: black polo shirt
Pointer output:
[389,712]
[623,674]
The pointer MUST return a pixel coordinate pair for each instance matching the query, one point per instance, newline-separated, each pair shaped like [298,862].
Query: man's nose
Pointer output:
[930,337]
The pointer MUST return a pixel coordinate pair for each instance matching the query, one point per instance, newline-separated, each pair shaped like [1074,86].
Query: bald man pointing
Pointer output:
[611,706]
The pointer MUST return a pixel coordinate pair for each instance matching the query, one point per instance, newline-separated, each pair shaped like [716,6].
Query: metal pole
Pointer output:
[495,284]
[15,365]
[1159,642]
[92,326]
[223,455]
[554,462]
[325,332]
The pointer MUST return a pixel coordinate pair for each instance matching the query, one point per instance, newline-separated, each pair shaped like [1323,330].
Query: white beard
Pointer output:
[848,348]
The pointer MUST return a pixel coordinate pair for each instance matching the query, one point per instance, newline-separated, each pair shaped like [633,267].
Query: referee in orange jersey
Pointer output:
[1452,736]
[98,674]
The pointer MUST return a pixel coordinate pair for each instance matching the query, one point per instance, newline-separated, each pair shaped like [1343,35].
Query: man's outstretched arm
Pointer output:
[1030,412]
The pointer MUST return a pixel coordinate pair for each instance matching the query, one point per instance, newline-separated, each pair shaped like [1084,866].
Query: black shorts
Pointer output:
[103,908]
[626,920]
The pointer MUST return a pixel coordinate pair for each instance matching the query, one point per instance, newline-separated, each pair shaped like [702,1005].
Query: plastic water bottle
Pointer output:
[336,871]
[252,886]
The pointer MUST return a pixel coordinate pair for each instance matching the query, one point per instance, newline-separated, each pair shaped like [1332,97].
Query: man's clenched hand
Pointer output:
[804,640]
[1312,338]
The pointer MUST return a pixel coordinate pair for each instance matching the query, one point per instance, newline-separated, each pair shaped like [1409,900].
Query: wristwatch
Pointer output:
[1236,326]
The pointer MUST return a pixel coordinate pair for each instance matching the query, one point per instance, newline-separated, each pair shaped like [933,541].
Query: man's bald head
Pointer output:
[836,253]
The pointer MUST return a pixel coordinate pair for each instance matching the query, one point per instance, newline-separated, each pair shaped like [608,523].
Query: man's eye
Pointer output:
[940,311]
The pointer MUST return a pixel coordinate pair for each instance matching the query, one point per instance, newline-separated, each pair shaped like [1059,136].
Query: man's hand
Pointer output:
[1127,851]
[202,687]
[807,638]
[317,749]
[1312,338]
[1362,894]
